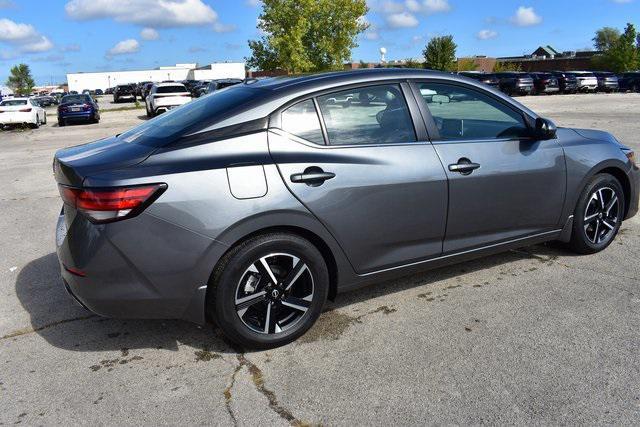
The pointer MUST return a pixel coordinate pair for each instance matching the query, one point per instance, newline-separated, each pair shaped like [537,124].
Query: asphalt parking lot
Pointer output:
[536,336]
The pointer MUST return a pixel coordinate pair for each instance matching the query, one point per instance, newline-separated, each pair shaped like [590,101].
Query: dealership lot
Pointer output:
[531,336]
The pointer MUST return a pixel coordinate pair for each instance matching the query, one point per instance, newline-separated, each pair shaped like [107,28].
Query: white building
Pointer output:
[104,80]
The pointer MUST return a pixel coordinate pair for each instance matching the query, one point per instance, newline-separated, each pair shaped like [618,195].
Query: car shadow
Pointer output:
[57,318]
[143,117]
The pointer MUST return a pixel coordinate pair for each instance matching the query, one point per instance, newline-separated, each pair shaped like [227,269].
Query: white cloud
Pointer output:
[526,17]
[24,36]
[149,34]
[7,4]
[124,47]
[402,20]
[71,48]
[428,6]
[486,34]
[151,13]
[252,3]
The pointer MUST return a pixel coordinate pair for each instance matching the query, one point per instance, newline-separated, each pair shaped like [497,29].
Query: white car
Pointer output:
[165,96]
[21,111]
[587,81]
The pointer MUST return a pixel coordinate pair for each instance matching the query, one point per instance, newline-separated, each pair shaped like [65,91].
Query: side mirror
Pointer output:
[545,129]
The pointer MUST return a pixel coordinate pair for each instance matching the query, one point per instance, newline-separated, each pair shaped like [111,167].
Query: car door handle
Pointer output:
[312,177]
[464,166]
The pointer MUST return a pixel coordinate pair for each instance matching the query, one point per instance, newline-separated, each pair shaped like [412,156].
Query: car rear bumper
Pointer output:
[80,115]
[553,89]
[133,269]
[17,118]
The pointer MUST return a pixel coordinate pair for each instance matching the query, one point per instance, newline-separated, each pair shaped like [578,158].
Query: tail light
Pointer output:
[25,110]
[85,107]
[103,205]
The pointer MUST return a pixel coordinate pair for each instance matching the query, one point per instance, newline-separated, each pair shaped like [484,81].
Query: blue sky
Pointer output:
[59,36]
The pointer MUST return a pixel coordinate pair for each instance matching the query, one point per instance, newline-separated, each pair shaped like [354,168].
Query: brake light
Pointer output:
[85,107]
[25,110]
[102,205]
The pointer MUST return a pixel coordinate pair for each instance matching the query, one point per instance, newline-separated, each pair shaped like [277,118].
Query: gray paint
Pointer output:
[390,210]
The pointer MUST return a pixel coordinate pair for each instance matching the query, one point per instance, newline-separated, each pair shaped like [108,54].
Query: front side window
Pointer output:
[368,115]
[302,120]
[464,114]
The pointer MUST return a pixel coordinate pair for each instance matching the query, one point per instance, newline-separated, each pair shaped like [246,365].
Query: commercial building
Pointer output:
[103,80]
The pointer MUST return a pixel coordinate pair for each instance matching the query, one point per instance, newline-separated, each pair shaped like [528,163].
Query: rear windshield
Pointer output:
[191,117]
[13,102]
[75,99]
[171,89]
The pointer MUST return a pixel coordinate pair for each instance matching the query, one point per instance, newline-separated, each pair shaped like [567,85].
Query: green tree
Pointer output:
[623,55]
[440,53]
[605,38]
[506,66]
[20,80]
[467,64]
[412,63]
[307,35]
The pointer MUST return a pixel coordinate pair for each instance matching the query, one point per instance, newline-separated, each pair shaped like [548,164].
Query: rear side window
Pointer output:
[368,115]
[466,114]
[302,120]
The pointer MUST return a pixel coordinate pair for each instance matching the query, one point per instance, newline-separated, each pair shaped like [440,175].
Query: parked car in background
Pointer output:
[566,81]
[88,92]
[235,210]
[99,92]
[109,91]
[219,84]
[586,80]
[124,93]
[139,87]
[166,96]
[145,89]
[629,81]
[22,111]
[73,92]
[515,83]
[45,100]
[544,83]
[487,78]
[607,82]
[74,108]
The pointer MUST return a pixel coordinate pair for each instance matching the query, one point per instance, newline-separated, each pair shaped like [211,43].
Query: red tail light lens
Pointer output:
[25,110]
[102,205]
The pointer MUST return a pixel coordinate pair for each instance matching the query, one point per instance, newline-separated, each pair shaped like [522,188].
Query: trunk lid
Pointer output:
[72,165]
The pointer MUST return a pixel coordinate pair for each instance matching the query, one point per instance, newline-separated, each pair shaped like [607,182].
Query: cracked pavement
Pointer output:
[535,335]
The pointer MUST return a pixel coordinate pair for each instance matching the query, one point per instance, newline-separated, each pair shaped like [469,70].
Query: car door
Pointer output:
[355,159]
[503,183]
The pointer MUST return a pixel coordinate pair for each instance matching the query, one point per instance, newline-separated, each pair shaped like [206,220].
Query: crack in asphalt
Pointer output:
[258,381]
[29,330]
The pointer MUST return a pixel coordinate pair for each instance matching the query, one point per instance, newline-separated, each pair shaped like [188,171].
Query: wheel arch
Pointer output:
[624,180]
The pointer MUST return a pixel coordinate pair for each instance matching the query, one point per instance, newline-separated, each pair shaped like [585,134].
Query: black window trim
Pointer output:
[430,123]
[420,130]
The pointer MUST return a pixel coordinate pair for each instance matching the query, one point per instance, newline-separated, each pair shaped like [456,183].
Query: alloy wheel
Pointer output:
[274,293]
[601,215]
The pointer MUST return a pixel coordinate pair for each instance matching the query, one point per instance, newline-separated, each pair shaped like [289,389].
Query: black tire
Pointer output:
[228,283]
[581,240]
[61,123]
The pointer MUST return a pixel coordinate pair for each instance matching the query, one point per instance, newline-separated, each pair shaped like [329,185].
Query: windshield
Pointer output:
[75,99]
[13,102]
[195,115]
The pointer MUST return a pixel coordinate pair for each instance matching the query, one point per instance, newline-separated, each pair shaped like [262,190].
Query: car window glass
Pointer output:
[369,115]
[302,120]
[13,102]
[462,113]
[171,89]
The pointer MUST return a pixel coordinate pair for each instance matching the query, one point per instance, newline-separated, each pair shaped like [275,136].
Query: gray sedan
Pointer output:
[251,207]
